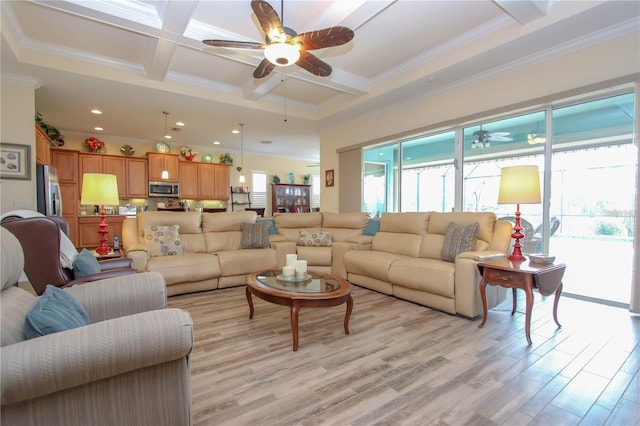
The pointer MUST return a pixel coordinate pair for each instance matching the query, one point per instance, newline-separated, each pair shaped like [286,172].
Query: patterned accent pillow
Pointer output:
[459,239]
[255,235]
[163,240]
[312,238]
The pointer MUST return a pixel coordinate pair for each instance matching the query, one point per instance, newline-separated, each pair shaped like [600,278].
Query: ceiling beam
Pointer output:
[524,11]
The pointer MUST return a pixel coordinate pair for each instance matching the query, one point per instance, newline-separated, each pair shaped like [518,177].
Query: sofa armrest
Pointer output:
[82,355]
[363,242]
[118,263]
[110,273]
[139,256]
[466,281]
[121,296]
[481,256]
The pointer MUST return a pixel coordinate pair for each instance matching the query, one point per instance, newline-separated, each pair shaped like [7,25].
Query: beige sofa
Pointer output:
[405,260]
[346,230]
[211,244]
[129,366]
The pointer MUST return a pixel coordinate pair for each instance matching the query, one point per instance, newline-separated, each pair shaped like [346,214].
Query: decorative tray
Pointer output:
[293,278]
[163,147]
[207,158]
[541,258]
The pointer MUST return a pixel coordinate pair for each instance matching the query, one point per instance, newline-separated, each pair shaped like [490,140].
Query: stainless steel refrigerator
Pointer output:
[49,201]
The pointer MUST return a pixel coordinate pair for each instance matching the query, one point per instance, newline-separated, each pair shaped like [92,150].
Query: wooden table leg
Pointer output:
[295,309]
[528,292]
[515,301]
[555,304]
[483,296]
[250,301]
[347,315]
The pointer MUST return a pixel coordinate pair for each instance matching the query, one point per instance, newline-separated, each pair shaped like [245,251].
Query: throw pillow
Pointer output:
[459,239]
[372,227]
[254,235]
[271,222]
[163,240]
[84,264]
[312,238]
[55,311]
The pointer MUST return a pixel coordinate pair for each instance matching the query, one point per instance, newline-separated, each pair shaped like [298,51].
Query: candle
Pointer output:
[301,269]
[291,259]
[288,271]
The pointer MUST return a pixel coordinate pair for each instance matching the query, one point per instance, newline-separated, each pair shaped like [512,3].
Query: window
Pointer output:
[259,189]
[315,191]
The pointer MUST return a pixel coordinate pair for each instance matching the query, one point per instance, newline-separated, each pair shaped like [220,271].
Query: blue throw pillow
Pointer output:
[85,263]
[272,225]
[56,310]
[372,227]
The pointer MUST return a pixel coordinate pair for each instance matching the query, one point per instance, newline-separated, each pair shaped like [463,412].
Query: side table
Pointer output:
[111,255]
[525,275]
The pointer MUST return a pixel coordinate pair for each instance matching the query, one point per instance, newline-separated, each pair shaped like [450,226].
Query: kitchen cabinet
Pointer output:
[43,147]
[137,181]
[66,163]
[202,181]
[290,198]
[159,162]
[88,236]
[221,188]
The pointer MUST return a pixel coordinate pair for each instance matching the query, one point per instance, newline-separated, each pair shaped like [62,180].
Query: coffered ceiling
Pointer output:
[134,59]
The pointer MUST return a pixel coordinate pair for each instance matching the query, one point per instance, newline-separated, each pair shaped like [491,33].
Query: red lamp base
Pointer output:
[103,230]
[517,255]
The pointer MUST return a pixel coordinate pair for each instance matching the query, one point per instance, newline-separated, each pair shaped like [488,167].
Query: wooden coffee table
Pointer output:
[320,290]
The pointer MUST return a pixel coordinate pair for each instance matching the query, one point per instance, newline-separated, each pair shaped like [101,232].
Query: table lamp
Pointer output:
[519,185]
[100,189]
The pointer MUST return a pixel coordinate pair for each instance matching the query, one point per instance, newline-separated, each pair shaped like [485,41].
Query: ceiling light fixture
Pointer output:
[98,128]
[282,54]
[239,168]
[179,123]
[166,133]
[96,111]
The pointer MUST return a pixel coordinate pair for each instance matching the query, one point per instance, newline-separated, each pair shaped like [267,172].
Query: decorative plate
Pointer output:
[127,149]
[163,147]
[207,158]
[293,278]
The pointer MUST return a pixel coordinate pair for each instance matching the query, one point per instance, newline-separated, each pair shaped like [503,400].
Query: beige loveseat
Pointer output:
[405,260]
[346,233]
[212,257]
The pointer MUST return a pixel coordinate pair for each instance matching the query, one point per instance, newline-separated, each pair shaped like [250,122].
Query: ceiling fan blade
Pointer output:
[264,69]
[234,44]
[268,18]
[313,64]
[327,37]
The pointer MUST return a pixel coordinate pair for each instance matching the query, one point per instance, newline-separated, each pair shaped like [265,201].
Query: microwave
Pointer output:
[164,189]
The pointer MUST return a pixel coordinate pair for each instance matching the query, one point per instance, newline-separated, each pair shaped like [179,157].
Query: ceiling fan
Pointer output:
[283,46]
[483,138]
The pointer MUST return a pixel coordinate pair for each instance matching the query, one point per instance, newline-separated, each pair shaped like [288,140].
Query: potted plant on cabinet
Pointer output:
[306,179]
[226,159]
[276,179]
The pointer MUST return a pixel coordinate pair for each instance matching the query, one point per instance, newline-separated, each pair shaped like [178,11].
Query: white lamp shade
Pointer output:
[282,54]
[519,185]
[99,189]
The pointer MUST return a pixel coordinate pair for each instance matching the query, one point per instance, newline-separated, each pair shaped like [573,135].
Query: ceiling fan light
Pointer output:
[282,54]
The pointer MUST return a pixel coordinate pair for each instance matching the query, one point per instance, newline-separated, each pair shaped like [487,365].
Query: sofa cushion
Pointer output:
[163,240]
[428,275]
[314,238]
[226,221]
[189,222]
[85,264]
[188,267]
[55,311]
[374,264]
[315,256]
[439,221]
[243,262]
[459,239]
[254,235]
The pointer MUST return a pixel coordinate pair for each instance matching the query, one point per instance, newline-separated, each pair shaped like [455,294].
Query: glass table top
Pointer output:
[315,284]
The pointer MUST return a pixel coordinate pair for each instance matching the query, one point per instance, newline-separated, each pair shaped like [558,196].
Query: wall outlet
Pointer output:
[21,204]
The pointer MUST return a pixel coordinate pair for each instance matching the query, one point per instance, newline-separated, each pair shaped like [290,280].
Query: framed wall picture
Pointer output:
[15,161]
[328,178]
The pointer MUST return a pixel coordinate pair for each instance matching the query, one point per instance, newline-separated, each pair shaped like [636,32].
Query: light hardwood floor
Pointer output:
[405,364]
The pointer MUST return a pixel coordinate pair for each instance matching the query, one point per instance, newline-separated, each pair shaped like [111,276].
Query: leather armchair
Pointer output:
[129,366]
[40,241]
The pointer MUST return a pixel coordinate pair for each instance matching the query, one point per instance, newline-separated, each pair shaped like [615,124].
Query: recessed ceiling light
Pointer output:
[235,131]
[98,128]
[216,142]
[96,111]
[167,136]
[179,123]
[266,142]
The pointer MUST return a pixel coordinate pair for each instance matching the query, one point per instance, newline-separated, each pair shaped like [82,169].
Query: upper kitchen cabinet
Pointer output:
[221,189]
[108,164]
[137,181]
[66,162]
[43,146]
[159,162]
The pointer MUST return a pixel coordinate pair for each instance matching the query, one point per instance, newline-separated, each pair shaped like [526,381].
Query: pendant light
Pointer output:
[165,172]
[239,168]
